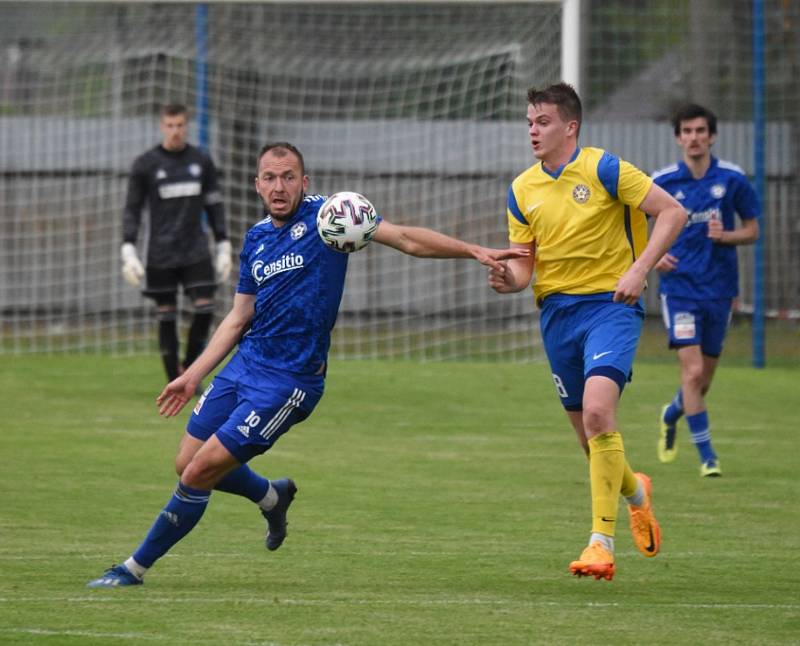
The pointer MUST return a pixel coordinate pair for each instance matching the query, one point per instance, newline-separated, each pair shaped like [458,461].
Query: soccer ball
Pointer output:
[347,221]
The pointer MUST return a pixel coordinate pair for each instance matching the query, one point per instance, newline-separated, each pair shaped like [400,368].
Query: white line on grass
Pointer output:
[83,633]
[137,636]
[118,596]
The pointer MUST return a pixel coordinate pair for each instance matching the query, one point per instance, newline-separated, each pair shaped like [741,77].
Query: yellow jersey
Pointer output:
[584,220]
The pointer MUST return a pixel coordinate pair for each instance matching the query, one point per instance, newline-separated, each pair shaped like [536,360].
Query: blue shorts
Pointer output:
[697,322]
[248,414]
[589,335]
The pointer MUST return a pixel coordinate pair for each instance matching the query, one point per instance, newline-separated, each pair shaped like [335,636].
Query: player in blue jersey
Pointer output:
[290,287]
[699,275]
[582,212]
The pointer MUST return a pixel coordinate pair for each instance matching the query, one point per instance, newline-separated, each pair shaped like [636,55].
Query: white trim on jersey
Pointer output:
[280,417]
[728,165]
[664,171]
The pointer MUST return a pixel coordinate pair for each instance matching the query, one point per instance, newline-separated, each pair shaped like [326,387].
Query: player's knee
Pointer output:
[195,476]
[180,465]
[693,377]
[204,306]
[165,314]
[201,474]
[597,418]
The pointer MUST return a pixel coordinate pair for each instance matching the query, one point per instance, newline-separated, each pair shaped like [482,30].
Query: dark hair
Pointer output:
[281,149]
[173,110]
[561,95]
[693,111]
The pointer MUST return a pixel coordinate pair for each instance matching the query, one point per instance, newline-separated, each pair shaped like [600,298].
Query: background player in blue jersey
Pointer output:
[176,182]
[582,211]
[290,287]
[699,276]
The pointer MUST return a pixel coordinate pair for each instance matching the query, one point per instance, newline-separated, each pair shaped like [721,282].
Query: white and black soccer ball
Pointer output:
[347,221]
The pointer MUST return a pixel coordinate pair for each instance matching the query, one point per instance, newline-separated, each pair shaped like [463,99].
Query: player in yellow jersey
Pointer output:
[581,212]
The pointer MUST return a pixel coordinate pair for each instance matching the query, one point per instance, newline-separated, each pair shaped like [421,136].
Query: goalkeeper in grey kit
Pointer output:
[177,182]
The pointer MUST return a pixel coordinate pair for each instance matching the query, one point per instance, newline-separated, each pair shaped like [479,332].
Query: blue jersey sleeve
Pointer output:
[746,201]
[247,284]
[513,207]
[608,173]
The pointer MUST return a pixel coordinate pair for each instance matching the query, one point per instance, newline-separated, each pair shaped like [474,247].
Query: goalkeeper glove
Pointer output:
[223,262]
[132,269]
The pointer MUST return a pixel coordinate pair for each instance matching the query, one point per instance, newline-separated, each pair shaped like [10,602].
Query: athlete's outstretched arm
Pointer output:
[670,219]
[179,391]
[427,243]
[517,273]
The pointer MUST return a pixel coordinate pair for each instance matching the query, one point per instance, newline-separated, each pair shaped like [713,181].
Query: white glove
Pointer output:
[223,262]
[132,269]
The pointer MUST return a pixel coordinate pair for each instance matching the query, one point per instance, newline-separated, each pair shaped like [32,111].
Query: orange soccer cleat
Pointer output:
[644,526]
[594,561]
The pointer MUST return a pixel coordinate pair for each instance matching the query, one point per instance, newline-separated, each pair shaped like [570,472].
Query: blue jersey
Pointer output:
[706,269]
[298,282]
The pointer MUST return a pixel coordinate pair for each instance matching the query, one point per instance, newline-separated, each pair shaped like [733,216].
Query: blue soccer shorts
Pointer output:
[589,335]
[697,322]
[247,415]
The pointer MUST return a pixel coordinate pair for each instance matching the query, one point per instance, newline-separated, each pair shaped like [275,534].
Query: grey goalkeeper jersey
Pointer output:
[176,187]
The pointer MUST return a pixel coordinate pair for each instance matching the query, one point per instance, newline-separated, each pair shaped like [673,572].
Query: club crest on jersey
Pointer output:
[717,191]
[195,170]
[581,193]
[298,230]
[161,174]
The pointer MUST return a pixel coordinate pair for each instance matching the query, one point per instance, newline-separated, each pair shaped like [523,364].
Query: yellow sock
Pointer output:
[629,481]
[606,469]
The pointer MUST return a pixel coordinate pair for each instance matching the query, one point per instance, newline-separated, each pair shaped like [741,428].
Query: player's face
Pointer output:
[173,131]
[281,184]
[695,138]
[551,137]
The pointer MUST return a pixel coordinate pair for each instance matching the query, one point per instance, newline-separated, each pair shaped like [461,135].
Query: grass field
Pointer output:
[437,504]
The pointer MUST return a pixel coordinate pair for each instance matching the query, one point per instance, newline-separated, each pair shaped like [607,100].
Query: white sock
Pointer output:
[606,540]
[270,500]
[637,499]
[135,569]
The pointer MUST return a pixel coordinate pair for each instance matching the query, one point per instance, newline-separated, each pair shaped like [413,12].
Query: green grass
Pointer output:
[438,504]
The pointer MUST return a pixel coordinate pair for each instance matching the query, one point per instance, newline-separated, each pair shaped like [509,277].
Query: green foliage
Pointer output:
[437,504]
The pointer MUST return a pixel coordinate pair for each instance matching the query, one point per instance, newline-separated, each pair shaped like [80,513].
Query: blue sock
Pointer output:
[701,435]
[243,481]
[675,409]
[177,519]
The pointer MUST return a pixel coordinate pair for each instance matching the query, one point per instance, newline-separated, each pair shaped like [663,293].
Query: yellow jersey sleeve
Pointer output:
[633,184]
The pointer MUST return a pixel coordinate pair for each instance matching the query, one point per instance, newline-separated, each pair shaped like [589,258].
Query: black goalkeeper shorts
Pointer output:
[198,281]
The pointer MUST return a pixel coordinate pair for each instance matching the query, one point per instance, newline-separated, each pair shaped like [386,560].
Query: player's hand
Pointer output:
[500,279]
[667,263]
[223,262]
[132,269]
[630,286]
[715,230]
[492,257]
[175,395]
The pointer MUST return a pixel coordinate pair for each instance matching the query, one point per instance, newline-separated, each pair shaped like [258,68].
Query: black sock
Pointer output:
[168,345]
[198,336]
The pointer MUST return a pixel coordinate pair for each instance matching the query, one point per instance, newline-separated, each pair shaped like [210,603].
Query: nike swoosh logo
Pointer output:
[652,546]
[531,208]
[597,355]
[608,520]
